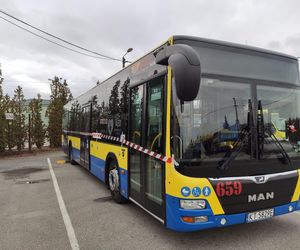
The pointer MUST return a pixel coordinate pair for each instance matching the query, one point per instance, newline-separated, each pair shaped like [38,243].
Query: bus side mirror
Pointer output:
[186,67]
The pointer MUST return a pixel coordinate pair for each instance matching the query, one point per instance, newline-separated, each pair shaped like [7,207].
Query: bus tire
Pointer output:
[71,156]
[114,182]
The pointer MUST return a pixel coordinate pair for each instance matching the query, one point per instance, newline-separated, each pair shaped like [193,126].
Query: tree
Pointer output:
[5,103]
[37,126]
[74,116]
[18,125]
[124,97]
[60,95]
[114,101]
[3,126]
[124,103]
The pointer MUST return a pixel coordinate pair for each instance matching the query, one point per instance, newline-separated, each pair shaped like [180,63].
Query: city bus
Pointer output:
[199,133]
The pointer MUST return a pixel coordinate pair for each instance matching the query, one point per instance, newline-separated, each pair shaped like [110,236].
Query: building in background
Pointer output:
[45,104]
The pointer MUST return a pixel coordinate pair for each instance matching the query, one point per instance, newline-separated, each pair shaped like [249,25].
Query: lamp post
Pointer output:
[123,58]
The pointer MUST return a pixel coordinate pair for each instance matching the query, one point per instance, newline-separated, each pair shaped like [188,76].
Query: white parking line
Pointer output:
[63,210]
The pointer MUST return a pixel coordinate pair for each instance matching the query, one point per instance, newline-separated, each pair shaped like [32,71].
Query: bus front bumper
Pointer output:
[174,215]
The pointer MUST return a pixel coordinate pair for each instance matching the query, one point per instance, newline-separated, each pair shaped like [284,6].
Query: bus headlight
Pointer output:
[192,204]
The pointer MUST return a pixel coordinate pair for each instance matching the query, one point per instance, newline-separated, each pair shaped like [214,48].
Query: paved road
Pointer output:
[31,218]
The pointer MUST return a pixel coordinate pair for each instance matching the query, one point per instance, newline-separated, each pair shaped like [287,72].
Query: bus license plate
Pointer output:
[260,215]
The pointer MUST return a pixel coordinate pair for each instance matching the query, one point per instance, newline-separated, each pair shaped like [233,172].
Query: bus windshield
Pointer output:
[210,126]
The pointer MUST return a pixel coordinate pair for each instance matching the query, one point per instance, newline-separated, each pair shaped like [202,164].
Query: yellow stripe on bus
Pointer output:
[101,151]
[75,141]
[171,40]
[168,110]
[176,181]
[297,190]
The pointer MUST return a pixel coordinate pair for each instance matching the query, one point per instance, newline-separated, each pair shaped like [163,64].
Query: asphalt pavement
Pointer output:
[32,216]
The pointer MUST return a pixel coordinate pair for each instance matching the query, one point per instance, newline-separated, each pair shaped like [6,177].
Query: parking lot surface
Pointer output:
[32,218]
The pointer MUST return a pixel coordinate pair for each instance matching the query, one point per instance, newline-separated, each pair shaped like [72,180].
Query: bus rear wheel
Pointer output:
[114,182]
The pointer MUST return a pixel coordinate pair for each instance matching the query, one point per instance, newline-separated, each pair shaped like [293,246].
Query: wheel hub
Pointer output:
[113,180]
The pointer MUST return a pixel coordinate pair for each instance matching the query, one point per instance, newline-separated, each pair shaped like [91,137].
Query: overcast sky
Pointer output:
[110,27]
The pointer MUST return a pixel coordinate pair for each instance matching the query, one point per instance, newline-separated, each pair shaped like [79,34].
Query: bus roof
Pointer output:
[233,45]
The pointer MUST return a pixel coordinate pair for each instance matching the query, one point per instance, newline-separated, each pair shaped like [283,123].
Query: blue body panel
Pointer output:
[174,213]
[76,154]
[124,183]
[98,168]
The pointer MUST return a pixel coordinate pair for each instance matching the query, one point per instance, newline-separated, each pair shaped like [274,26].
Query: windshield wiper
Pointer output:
[244,136]
[255,138]
[260,131]
[271,135]
[279,146]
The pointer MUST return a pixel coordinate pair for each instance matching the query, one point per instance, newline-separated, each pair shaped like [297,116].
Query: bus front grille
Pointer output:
[245,194]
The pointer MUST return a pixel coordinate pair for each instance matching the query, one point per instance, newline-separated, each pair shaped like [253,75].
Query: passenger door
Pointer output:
[85,142]
[147,129]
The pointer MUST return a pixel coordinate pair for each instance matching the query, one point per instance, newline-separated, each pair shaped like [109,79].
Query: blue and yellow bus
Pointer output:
[199,133]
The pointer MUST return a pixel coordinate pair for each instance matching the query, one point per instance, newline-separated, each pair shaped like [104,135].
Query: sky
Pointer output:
[110,27]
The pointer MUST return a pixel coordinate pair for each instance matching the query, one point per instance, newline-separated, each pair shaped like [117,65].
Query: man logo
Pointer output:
[260,197]
[260,179]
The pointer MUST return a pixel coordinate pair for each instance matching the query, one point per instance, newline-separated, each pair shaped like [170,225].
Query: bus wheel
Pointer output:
[71,156]
[114,182]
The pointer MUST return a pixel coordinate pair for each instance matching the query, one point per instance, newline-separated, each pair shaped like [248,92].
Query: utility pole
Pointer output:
[29,132]
[9,117]
[123,62]
[9,136]
[123,58]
